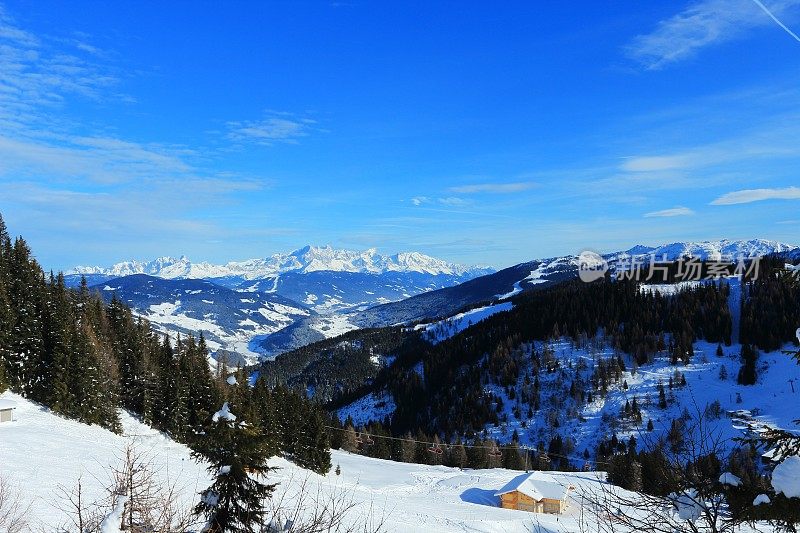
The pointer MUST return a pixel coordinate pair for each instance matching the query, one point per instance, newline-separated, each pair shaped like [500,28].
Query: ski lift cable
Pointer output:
[493,447]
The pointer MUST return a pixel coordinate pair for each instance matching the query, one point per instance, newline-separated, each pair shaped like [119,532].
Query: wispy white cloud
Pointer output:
[451,201]
[673,212]
[747,196]
[659,163]
[36,76]
[419,200]
[703,23]
[770,140]
[97,159]
[495,188]
[274,128]
[10,32]
[68,180]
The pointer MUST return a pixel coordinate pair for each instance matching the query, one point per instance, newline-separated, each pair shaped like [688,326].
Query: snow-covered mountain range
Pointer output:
[239,302]
[304,260]
[714,250]
[323,292]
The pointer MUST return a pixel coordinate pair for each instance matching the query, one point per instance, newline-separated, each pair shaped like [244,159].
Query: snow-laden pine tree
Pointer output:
[237,455]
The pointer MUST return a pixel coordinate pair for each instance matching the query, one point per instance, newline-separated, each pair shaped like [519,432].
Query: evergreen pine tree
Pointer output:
[7,320]
[236,453]
[747,373]
[662,397]
[459,455]
[635,482]
[265,406]
[58,328]
[349,443]
[93,402]
[26,367]
[313,451]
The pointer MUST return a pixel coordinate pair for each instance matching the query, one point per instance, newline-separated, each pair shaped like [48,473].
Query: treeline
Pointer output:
[84,359]
[771,307]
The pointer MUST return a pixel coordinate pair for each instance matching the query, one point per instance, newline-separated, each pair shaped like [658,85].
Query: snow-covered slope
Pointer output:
[440,330]
[304,260]
[41,452]
[772,401]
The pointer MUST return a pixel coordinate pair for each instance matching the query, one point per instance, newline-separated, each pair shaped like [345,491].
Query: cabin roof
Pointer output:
[538,489]
[7,404]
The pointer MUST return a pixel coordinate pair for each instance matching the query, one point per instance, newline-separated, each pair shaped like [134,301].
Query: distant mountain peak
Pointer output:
[309,258]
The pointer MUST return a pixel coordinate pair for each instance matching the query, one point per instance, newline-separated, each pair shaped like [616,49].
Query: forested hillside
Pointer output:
[84,359]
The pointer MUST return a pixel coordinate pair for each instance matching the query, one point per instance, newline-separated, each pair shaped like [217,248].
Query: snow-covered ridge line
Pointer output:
[714,250]
[723,249]
[307,259]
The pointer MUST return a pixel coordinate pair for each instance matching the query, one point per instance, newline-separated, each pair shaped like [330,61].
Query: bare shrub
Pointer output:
[13,512]
[150,505]
[303,509]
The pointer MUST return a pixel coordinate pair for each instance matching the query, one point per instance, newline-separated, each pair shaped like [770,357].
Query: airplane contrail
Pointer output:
[778,22]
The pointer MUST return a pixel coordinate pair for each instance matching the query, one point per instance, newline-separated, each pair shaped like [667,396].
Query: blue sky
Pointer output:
[473,131]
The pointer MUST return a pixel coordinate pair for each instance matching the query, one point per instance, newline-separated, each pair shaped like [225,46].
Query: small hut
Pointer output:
[528,492]
[7,410]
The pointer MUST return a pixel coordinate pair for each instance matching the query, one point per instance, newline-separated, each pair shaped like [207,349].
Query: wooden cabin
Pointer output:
[7,410]
[534,493]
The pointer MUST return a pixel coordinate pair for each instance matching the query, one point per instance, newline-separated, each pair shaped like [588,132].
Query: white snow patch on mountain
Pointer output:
[333,325]
[436,332]
[369,407]
[165,316]
[668,289]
